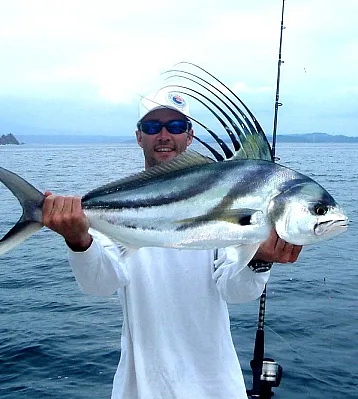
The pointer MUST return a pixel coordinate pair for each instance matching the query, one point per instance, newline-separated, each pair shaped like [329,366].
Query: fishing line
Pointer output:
[285,342]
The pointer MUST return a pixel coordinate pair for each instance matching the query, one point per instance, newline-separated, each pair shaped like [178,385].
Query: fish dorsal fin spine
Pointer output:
[185,160]
[253,146]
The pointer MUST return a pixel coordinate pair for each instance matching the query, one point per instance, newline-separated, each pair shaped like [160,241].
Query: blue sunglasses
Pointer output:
[174,127]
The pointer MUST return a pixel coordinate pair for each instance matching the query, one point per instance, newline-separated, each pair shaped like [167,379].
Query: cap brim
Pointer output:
[162,107]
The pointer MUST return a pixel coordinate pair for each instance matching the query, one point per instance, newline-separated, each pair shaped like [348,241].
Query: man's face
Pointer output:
[163,146]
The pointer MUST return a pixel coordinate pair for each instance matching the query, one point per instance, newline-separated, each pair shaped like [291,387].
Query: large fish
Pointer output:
[194,202]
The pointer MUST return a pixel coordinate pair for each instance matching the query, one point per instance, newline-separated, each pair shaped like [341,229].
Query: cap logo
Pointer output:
[176,100]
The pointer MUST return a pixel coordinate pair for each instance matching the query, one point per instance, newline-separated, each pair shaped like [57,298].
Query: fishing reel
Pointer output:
[270,377]
[271,373]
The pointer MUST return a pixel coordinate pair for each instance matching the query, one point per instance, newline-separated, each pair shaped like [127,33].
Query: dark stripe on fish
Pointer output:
[225,206]
[208,181]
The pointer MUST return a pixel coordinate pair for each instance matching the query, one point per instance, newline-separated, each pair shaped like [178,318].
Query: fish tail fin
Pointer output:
[31,201]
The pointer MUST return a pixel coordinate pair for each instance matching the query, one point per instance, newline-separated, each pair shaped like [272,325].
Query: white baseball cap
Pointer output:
[163,98]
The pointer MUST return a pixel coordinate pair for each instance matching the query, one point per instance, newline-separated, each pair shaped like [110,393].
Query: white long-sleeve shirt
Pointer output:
[176,341]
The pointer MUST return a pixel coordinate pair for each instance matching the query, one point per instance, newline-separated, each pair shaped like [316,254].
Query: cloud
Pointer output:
[111,50]
[241,87]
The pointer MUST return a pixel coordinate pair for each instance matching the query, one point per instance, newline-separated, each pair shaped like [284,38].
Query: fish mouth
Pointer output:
[331,226]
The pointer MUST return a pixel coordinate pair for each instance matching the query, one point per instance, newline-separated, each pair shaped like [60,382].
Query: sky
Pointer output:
[79,66]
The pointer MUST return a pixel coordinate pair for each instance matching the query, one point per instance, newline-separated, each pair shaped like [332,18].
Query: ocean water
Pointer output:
[56,342]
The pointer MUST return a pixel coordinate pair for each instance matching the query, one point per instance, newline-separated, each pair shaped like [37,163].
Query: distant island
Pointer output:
[8,139]
[65,138]
[315,138]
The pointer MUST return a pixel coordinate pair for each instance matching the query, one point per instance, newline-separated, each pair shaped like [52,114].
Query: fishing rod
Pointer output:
[277,98]
[266,373]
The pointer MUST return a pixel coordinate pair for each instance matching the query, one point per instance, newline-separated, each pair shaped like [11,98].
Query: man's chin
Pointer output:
[164,156]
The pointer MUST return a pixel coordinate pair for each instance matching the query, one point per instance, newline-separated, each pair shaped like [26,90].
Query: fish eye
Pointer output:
[320,209]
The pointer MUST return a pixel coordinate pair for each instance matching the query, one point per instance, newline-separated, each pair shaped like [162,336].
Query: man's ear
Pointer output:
[138,134]
[189,139]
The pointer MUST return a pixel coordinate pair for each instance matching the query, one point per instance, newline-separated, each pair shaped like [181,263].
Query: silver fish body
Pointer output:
[216,205]
[192,202]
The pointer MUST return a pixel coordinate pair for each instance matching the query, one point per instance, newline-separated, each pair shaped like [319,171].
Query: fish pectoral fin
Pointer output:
[238,216]
[125,251]
[244,254]
[241,217]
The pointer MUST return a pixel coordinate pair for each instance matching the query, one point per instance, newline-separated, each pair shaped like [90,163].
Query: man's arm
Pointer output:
[95,260]
[237,283]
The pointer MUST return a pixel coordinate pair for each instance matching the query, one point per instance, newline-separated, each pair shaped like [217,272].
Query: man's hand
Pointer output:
[65,216]
[274,249]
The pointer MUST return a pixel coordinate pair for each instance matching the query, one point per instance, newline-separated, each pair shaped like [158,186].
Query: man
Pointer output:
[176,341]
